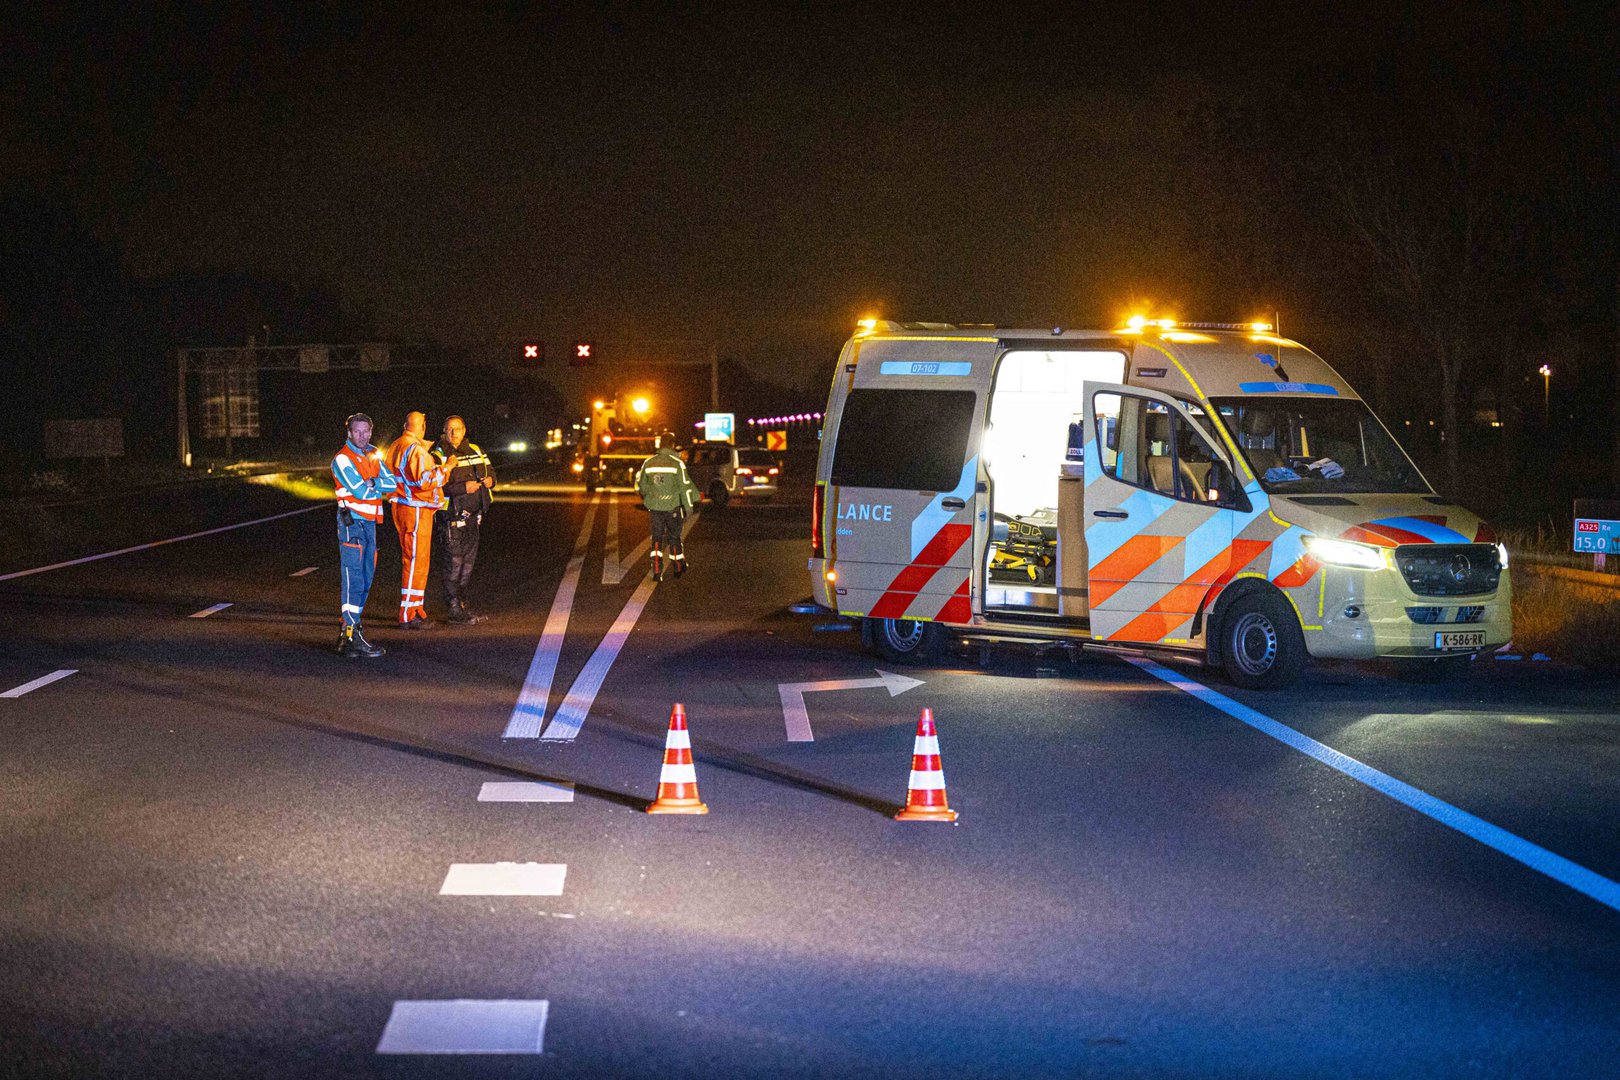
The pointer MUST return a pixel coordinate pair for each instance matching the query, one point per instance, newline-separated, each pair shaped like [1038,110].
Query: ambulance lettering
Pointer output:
[865,512]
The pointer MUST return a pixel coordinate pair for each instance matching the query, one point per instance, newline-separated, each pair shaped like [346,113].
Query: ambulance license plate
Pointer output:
[1459,639]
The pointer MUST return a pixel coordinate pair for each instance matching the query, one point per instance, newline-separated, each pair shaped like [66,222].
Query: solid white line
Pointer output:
[1534,856]
[305,570]
[504,879]
[612,571]
[43,680]
[526,791]
[530,711]
[577,705]
[157,543]
[207,611]
[465,1027]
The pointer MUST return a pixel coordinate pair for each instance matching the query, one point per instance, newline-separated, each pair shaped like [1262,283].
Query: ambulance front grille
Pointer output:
[1449,569]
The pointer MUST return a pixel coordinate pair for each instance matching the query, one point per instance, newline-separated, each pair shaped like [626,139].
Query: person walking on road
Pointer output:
[361,482]
[420,493]
[668,493]
[468,496]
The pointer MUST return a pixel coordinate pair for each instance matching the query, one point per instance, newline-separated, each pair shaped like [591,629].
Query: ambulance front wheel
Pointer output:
[1262,646]
[905,641]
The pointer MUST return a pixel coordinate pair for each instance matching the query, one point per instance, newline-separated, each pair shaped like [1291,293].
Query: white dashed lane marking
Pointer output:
[504,879]
[465,1027]
[525,791]
[43,680]
[207,611]
[305,570]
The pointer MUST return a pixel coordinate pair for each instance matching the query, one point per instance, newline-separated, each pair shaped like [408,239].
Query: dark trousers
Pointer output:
[457,538]
[666,531]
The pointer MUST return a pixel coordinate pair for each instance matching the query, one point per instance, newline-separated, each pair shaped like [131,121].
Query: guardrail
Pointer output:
[1567,573]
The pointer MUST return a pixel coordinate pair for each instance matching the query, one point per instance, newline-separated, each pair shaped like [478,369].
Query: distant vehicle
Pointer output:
[723,471]
[1211,490]
[616,460]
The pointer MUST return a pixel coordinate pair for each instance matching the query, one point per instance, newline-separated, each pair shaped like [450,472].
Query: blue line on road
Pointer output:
[1534,856]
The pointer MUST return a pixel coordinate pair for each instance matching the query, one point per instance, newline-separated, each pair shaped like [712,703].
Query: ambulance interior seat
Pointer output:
[1259,441]
[1161,466]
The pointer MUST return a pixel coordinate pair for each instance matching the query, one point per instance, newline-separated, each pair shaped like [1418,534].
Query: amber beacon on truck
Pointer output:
[1214,490]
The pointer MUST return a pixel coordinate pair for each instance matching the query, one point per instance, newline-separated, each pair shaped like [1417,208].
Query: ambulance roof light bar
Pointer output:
[1138,323]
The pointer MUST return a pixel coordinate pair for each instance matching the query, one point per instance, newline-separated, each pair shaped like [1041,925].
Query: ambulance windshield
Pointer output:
[1300,446]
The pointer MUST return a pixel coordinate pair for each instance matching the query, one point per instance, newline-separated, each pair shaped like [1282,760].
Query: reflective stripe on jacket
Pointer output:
[471,464]
[664,483]
[361,481]
[421,483]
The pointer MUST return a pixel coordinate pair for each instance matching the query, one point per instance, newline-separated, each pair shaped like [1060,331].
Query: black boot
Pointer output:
[458,612]
[680,565]
[362,647]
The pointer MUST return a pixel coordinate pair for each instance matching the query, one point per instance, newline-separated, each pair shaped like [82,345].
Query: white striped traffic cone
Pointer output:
[677,781]
[925,794]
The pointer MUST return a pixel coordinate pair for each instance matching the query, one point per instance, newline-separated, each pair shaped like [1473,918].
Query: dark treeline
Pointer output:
[1434,209]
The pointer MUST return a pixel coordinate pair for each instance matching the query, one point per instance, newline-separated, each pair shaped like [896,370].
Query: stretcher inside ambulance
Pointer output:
[1215,491]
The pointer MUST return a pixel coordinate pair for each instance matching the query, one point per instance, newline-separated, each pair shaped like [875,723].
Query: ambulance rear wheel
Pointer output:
[906,641]
[1262,646]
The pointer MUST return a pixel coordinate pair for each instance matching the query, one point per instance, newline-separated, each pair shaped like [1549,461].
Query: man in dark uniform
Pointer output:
[467,500]
[668,492]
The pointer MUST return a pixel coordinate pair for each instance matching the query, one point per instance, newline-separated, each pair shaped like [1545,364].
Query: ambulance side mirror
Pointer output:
[1223,489]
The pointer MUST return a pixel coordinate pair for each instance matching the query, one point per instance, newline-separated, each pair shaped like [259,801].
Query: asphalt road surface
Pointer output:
[228,852]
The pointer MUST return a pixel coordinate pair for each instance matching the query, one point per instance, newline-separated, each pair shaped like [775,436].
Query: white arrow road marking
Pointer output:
[797,717]
[530,710]
[43,680]
[465,1027]
[207,611]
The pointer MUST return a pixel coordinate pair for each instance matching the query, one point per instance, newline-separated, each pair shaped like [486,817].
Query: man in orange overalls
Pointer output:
[420,493]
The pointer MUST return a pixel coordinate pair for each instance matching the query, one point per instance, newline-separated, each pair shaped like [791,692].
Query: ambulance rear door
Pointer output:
[902,493]
[1161,510]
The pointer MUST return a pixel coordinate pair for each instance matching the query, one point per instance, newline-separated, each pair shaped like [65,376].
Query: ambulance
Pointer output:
[1213,491]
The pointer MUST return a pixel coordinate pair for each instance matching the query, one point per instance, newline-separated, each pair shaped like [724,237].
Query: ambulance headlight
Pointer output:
[1345,553]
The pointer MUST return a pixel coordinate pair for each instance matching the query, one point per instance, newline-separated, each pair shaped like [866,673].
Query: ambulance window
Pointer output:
[905,439]
[1161,451]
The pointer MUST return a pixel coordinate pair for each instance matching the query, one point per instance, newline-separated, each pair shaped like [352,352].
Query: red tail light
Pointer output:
[775,471]
[745,472]
[817,511]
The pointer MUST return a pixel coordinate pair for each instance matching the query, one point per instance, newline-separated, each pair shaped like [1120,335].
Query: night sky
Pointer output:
[631,173]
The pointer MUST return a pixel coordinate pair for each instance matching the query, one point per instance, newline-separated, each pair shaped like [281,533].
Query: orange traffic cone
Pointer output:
[677,781]
[925,794]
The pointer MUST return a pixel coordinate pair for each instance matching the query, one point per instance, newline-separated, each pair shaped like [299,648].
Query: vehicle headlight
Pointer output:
[1502,556]
[1345,553]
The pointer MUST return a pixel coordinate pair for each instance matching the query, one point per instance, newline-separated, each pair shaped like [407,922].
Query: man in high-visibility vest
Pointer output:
[668,493]
[362,482]
[420,493]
